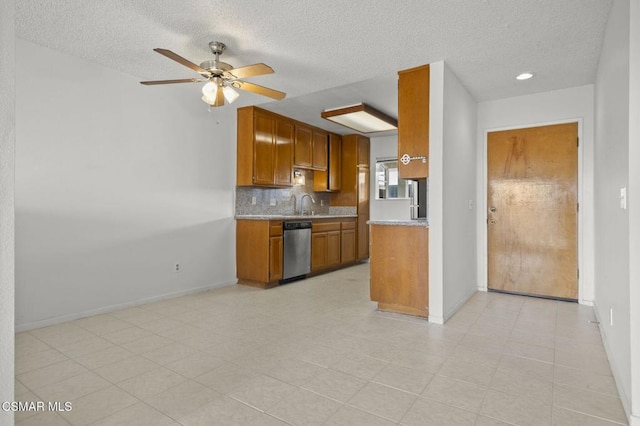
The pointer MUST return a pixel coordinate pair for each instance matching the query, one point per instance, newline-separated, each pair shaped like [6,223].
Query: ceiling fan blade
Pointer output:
[187,63]
[184,80]
[248,71]
[219,98]
[260,90]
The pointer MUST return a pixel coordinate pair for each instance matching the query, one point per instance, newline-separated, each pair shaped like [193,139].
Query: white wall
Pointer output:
[436,191]
[612,148]
[115,183]
[452,183]
[384,147]
[634,207]
[573,104]
[460,121]
[7,143]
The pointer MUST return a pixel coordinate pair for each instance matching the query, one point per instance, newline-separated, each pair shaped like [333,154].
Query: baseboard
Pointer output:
[624,398]
[458,305]
[436,320]
[112,308]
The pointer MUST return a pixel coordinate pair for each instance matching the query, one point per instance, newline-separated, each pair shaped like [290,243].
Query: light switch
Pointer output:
[623,198]
[272,202]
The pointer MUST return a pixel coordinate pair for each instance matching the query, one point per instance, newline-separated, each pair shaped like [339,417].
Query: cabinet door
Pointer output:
[303,150]
[335,157]
[333,248]
[363,190]
[363,237]
[330,180]
[263,153]
[413,121]
[283,162]
[275,258]
[348,246]
[363,151]
[318,251]
[319,157]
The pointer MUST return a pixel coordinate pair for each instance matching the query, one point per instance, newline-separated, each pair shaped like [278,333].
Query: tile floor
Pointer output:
[316,352]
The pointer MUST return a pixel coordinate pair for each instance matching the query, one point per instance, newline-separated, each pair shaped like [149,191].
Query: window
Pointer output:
[388,183]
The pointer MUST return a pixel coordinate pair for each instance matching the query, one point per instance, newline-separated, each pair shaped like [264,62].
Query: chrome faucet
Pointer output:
[302,201]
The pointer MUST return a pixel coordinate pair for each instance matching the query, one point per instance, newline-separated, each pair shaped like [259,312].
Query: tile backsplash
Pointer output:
[285,199]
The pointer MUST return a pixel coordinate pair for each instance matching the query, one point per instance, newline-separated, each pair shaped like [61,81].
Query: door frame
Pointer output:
[483,254]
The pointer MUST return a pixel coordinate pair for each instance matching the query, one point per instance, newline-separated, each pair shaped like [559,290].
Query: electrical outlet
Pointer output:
[253,201]
[177,268]
[470,204]
[272,202]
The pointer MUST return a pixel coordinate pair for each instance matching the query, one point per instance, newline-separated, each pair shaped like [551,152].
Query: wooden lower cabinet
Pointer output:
[325,245]
[318,251]
[259,252]
[275,258]
[400,268]
[333,248]
[348,242]
[332,244]
[363,237]
[259,248]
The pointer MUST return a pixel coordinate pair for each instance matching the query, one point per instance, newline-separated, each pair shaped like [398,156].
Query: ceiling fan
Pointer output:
[221,77]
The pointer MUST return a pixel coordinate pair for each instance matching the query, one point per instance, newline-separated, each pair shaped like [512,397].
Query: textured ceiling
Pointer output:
[317,45]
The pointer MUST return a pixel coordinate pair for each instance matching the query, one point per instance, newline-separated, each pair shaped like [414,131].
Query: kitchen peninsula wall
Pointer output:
[285,199]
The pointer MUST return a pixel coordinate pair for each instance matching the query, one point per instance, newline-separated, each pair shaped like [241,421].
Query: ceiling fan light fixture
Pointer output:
[209,92]
[362,118]
[221,78]
[229,94]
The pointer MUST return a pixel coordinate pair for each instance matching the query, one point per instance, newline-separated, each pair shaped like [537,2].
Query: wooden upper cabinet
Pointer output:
[303,150]
[363,151]
[310,150]
[335,157]
[265,148]
[283,161]
[330,180]
[263,152]
[413,121]
[320,140]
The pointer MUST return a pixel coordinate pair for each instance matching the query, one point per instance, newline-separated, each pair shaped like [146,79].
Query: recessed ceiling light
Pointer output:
[524,76]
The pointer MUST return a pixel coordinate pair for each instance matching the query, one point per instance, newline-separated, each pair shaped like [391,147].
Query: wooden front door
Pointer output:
[532,215]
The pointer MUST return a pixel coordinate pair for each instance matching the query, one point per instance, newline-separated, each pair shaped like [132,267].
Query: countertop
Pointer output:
[410,222]
[293,216]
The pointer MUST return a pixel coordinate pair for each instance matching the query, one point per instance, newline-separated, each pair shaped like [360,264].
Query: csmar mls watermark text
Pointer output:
[36,406]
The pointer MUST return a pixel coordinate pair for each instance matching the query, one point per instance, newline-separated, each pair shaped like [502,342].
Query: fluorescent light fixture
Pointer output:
[361,118]
[524,76]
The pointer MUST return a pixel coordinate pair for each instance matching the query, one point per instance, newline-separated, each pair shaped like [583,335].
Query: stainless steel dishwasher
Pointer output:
[296,259]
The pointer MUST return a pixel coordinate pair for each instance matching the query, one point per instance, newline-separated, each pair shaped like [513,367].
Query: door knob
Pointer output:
[492,209]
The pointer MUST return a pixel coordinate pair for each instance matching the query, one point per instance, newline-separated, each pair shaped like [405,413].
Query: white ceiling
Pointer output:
[316,46]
